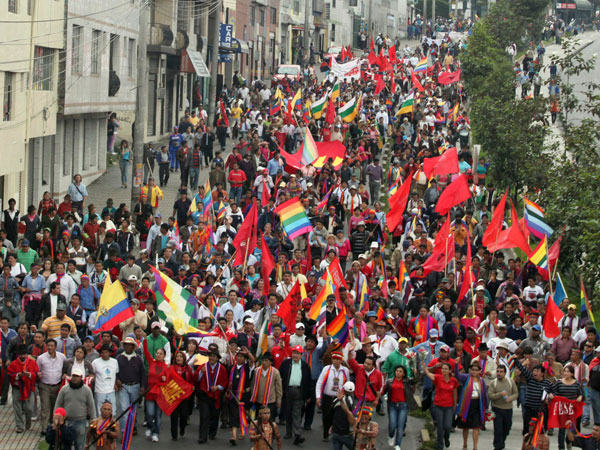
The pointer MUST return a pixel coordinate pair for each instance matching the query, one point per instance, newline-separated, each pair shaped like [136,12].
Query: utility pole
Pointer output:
[141,104]
[433,15]
[424,16]
[214,62]
[306,31]
[370,24]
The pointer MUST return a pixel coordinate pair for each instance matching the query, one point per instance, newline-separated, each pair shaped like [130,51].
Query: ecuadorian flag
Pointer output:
[539,257]
[114,307]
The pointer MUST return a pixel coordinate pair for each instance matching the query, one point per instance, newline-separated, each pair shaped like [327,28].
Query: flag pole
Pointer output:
[548,260]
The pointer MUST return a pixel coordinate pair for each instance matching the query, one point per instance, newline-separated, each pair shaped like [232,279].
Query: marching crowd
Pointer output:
[252,370]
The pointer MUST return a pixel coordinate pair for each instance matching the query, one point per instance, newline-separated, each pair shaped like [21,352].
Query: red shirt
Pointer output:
[397,392]
[280,354]
[438,370]
[237,178]
[444,391]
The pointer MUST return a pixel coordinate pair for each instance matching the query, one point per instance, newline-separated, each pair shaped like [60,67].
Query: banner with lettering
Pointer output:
[347,71]
[172,392]
[561,410]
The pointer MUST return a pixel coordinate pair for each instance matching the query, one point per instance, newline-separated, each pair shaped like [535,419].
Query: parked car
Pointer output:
[293,72]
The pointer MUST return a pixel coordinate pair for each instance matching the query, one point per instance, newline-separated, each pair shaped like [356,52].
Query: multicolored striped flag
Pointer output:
[318,107]
[407,105]
[586,307]
[129,426]
[207,201]
[319,305]
[539,257]
[535,220]
[175,304]
[404,284]
[338,327]
[323,203]
[349,111]
[421,65]
[293,218]
[308,149]
[221,210]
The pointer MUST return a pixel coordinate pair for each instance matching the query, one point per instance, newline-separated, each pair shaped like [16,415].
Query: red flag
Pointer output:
[415,82]
[492,232]
[468,278]
[442,165]
[343,53]
[393,86]
[553,253]
[512,237]
[456,193]
[392,54]
[349,52]
[372,45]
[245,240]
[224,114]
[330,114]
[398,204]
[172,392]
[288,309]
[380,85]
[372,58]
[443,234]
[439,259]
[449,77]
[561,410]
[337,275]
[267,264]
[551,319]
[266,195]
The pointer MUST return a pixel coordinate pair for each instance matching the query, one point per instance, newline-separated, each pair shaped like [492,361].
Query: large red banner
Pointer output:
[561,410]
[172,392]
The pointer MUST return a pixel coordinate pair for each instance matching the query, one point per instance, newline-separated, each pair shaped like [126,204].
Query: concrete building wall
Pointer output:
[29,61]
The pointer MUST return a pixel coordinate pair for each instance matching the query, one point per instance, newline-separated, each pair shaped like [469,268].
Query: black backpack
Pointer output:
[595,378]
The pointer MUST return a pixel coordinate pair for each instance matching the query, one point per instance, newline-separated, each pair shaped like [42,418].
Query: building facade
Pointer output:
[98,77]
[32,37]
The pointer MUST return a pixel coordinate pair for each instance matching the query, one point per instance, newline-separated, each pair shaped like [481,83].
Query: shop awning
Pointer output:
[195,58]
[239,46]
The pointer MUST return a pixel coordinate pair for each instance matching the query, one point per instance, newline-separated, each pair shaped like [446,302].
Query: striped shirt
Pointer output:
[535,388]
[570,391]
[52,326]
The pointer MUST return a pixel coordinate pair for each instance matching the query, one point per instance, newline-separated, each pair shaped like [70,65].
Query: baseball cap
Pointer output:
[298,348]
[61,307]
[445,348]
[299,325]
[536,327]
[155,325]
[249,320]
[403,339]
[132,278]
[571,306]
[76,372]
[434,333]
[348,386]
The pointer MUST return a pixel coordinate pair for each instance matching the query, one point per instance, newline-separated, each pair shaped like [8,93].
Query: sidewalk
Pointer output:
[9,439]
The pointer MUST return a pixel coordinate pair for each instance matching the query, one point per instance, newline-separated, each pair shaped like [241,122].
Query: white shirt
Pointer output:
[67,285]
[238,312]
[387,345]
[106,375]
[51,368]
[335,380]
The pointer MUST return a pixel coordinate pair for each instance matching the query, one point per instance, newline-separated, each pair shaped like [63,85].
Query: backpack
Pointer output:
[595,378]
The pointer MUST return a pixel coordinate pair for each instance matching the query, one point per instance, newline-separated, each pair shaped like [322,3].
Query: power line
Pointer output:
[68,18]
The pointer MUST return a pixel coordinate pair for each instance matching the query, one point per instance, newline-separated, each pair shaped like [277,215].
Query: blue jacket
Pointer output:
[175,141]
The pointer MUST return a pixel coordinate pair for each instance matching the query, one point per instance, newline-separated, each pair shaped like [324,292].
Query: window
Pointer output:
[131,58]
[332,36]
[12,6]
[43,69]
[272,45]
[261,16]
[9,88]
[29,7]
[252,15]
[333,3]
[297,6]
[198,14]
[96,38]
[76,49]
[274,16]
[182,16]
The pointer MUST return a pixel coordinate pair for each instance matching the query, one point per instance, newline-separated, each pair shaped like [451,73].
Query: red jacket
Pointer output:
[26,385]
[218,377]
[375,381]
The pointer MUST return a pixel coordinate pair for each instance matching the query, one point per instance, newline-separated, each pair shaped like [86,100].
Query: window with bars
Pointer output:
[12,6]
[131,58]
[252,15]
[274,16]
[76,49]
[296,6]
[43,68]
[96,38]
[261,16]
[9,89]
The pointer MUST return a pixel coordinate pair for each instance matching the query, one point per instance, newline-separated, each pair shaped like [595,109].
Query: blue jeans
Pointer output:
[236,193]
[339,441]
[79,430]
[173,158]
[522,392]
[398,414]
[443,416]
[588,404]
[595,397]
[100,398]
[124,171]
[153,416]
[194,175]
[127,395]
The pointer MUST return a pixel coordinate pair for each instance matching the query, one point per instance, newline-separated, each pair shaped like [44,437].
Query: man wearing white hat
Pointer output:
[78,401]
[131,377]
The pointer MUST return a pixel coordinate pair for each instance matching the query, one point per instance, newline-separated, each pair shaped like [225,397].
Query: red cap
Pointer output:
[298,348]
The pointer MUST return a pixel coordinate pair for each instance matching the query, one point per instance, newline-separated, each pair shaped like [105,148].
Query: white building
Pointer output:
[99,77]
[31,33]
